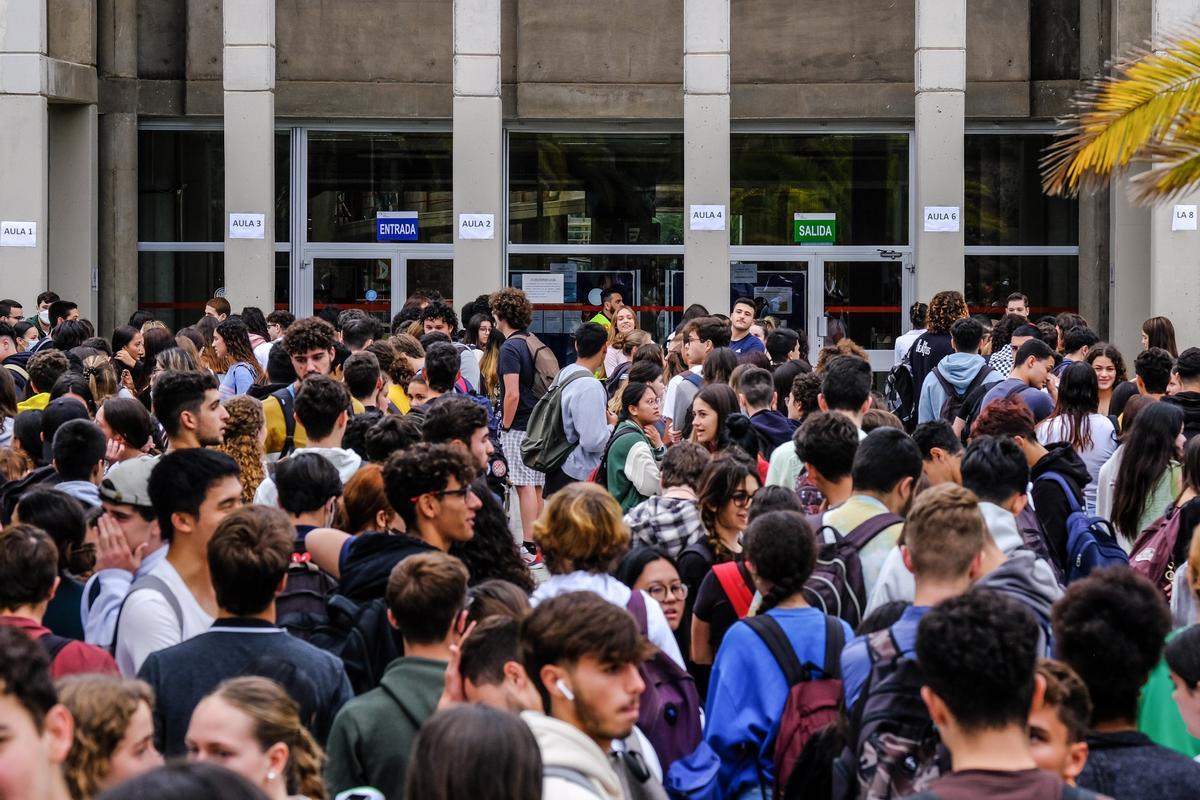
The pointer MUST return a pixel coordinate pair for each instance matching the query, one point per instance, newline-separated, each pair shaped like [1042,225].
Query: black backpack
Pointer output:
[302,606]
[900,392]
[836,585]
[894,749]
[360,635]
[954,400]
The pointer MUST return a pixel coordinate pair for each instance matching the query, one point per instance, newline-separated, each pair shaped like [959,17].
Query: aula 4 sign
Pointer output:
[396,226]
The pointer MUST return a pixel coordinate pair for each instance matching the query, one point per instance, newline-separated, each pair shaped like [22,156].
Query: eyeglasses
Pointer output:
[742,499]
[659,592]
[460,492]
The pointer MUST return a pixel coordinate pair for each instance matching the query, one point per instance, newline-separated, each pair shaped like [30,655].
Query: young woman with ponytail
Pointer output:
[747,689]
[252,727]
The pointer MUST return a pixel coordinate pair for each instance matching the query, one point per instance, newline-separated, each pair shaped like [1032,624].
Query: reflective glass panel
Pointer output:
[1004,200]
[364,283]
[595,188]
[1052,282]
[864,298]
[862,179]
[175,286]
[353,176]
[431,275]
[779,290]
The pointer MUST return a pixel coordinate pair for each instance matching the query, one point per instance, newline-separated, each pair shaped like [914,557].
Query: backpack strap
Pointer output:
[835,641]
[287,406]
[53,644]
[977,381]
[735,588]
[1066,487]
[692,378]
[1015,390]
[572,776]
[773,636]
[869,529]
[947,386]
[17,370]
[154,584]
[637,607]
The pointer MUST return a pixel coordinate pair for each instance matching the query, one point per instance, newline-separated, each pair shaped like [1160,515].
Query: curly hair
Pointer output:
[102,707]
[1110,628]
[844,347]
[423,468]
[721,478]
[241,441]
[1005,417]
[308,334]
[945,309]
[1106,350]
[276,718]
[512,306]
[581,529]
[783,551]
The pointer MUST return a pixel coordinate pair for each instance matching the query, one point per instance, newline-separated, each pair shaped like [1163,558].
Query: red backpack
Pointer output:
[811,704]
[1154,551]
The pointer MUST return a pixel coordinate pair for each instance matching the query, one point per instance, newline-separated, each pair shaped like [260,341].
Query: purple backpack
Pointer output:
[669,714]
[1154,551]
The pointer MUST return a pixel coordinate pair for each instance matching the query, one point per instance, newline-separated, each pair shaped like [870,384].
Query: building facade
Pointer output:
[833,160]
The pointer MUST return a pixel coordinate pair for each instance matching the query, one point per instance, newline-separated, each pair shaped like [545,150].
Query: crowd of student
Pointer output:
[269,557]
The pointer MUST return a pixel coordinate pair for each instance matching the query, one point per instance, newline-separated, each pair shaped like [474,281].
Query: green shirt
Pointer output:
[602,319]
[1158,716]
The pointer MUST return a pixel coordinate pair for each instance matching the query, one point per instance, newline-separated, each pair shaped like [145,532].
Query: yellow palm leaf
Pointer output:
[1120,116]
[1177,164]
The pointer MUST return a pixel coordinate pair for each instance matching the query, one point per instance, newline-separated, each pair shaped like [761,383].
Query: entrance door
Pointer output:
[427,272]
[782,286]
[867,297]
[353,280]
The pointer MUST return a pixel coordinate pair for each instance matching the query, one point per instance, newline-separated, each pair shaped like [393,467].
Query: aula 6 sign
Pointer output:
[396,226]
[814,228]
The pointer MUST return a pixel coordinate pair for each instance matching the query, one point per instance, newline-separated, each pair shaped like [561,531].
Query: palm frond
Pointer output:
[1177,165]
[1120,115]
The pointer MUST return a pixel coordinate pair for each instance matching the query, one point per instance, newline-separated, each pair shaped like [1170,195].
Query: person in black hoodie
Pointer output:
[1187,397]
[1013,418]
[945,309]
[756,394]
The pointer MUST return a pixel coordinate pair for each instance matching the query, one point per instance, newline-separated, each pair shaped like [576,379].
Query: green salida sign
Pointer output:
[814,228]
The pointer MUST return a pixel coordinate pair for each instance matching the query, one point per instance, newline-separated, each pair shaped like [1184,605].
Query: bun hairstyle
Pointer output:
[741,434]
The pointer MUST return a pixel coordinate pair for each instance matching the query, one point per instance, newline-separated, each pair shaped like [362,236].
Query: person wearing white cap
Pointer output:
[128,548]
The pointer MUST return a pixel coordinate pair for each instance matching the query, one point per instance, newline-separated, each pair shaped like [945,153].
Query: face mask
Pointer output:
[44,316]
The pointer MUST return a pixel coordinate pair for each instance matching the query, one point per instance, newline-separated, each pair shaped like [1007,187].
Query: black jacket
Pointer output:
[1128,766]
[1051,504]
[772,429]
[369,562]
[1190,403]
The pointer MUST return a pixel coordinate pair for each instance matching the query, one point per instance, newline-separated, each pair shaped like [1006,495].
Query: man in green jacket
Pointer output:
[373,734]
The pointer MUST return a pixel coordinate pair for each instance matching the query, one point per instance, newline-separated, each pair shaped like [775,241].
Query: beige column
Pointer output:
[478,150]
[941,83]
[71,242]
[249,82]
[706,152]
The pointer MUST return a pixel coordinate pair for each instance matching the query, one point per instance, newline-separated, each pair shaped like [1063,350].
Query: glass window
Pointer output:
[863,179]
[653,285]
[181,186]
[364,283]
[595,188]
[864,296]
[779,290]
[352,176]
[1004,200]
[175,286]
[1051,282]
[283,286]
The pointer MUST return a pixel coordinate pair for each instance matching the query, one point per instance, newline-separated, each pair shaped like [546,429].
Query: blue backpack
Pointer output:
[1091,541]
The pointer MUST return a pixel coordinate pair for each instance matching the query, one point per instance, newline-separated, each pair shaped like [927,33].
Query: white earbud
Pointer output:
[271,776]
[562,687]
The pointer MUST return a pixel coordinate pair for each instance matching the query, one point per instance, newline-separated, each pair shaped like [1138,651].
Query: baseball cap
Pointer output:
[127,482]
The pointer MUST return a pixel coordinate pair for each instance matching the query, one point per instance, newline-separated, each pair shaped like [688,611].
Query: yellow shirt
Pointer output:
[277,428]
[36,403]
[602,319]
[399,398]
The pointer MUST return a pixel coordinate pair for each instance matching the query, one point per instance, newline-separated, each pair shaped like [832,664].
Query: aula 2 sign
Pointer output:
[396,226]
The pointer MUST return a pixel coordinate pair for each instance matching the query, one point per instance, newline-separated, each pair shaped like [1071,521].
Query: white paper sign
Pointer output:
[247,226]
[543,288]
[941,219]
[707,218]
[1183,218]
[18,234]
[743,273]
[477,226]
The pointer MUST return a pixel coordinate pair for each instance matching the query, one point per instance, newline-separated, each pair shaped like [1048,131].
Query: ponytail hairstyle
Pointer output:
[276,718]
[101,377]
[1149,449]
[782,550]
[720,480]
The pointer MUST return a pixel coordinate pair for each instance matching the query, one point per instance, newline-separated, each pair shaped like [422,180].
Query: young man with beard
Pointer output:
[188,405]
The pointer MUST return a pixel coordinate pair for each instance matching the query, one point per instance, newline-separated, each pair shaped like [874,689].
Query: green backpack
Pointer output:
[546,446]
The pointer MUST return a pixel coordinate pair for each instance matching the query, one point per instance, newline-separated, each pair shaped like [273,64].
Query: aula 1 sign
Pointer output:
[396,226]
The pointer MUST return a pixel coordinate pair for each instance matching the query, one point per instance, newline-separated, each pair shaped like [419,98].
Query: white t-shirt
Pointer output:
[149,624]
[1104,444]
[668,404]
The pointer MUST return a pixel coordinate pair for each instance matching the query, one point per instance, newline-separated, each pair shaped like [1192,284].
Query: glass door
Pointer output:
[866,298]
[781,285]
[353,280]
[426,272]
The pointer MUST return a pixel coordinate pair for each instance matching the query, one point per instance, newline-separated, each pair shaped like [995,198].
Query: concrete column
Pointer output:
[1129,225]
[71,244]
[24,146]
[1094,207]
[116,32]
[1175,255]
[941,84]
[706,150]
[478,146]
[249,80]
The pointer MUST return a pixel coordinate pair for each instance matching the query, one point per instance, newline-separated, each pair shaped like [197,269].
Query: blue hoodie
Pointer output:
[957,368]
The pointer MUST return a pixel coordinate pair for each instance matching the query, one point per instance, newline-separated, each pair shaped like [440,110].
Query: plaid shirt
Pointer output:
[1002,360]
[671,523]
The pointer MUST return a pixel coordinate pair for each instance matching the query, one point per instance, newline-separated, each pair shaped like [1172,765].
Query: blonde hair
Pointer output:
[101,377]
[627,343]
[150,325]
[276,718]
[102,706]
[581,529]
[241,443]
[613,333]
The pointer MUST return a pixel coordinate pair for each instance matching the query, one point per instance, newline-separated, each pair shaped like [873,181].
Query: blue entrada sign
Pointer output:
[396,226]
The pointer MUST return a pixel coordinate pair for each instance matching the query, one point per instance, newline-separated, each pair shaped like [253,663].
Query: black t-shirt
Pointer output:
[926,352]
[515,358]
[712,605]
[1120,396]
